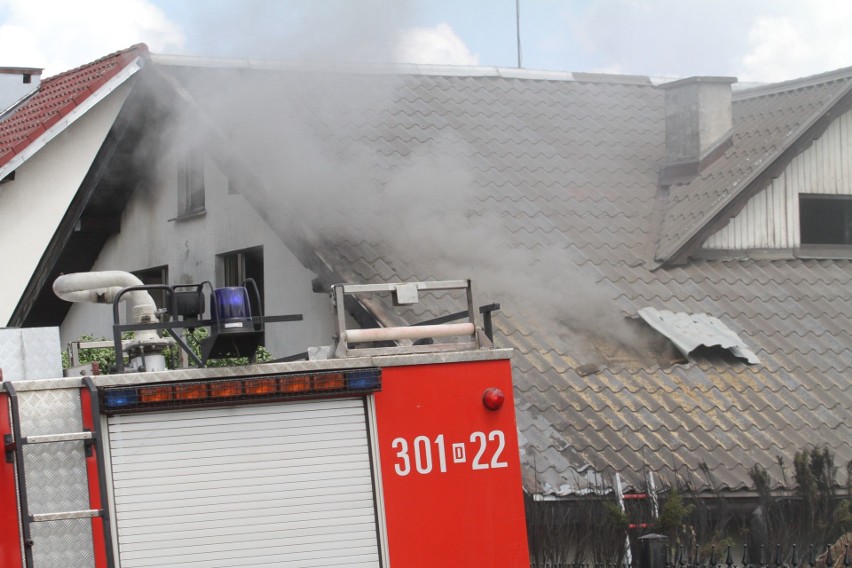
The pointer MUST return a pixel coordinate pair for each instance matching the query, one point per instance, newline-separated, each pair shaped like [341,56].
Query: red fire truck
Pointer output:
[393,447]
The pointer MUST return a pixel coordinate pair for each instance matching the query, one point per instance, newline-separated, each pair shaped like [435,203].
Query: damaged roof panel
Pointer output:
[690,331]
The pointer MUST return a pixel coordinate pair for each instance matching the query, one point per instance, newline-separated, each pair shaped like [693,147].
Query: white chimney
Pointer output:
[16,83]
[698,125]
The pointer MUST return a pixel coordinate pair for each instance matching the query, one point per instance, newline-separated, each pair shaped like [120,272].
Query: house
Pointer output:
[82,143]
[673,259]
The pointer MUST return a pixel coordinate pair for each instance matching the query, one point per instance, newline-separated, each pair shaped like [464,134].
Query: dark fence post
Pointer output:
[653,551]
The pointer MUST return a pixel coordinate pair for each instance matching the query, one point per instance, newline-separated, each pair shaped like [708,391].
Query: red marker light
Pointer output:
[493,398]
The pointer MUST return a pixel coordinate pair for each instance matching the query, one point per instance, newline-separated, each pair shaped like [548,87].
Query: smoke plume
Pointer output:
[348,154]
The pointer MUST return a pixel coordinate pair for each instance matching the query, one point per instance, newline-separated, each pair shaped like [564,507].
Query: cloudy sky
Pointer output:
[755,40]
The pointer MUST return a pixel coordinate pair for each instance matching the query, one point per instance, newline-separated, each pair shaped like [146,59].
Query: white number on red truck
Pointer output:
[486,446]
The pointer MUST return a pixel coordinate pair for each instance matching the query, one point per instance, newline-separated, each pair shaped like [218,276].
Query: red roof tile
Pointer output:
[56,97]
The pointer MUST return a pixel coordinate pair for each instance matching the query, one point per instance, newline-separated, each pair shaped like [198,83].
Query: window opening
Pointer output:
[156,275]
[825,219]
[191,184]
[240,265]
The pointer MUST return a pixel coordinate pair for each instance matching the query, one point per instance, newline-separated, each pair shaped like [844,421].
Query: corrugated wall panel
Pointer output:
[771,218]
[262,485]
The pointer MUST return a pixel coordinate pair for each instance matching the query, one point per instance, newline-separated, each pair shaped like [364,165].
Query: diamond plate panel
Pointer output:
[56,477]
[63,544]
[12,354]
[42,352]
[50,412]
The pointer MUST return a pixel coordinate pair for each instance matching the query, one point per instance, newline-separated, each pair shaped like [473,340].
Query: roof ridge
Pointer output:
[843,73]
[122,54]
[352,67]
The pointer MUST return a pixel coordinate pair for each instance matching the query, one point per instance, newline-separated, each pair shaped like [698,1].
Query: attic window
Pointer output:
[191,184]
[825,219]
[28,78]
[692,332]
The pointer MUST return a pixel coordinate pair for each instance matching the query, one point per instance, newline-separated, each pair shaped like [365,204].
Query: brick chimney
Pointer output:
[698,125]
[16,83]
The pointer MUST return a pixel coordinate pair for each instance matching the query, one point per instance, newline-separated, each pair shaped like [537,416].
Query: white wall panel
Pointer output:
[33,205]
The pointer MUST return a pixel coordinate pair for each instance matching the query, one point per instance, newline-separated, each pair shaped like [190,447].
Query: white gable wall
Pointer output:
[32,206]
[151,236]
[770,220]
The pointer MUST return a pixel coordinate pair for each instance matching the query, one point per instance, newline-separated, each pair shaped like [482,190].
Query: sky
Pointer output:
[754,40]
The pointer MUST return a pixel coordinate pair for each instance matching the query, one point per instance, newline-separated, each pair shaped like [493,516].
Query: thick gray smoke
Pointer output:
[341,158]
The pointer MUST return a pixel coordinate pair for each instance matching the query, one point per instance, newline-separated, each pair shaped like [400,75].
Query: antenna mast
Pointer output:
[518,29]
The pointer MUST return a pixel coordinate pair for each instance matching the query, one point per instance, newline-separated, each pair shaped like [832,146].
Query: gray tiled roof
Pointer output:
[563,175]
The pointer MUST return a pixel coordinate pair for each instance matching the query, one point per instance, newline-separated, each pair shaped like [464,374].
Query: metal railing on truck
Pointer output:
[472,335]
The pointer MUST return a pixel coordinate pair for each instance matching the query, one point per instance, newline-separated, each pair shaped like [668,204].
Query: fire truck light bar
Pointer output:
[239,390]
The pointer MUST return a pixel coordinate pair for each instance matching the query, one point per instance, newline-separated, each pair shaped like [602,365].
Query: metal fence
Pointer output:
[678,557]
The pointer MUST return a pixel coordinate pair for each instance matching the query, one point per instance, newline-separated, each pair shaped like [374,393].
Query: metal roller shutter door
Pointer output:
[264,485]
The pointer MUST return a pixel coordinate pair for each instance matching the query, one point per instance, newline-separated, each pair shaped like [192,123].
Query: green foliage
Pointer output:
[105,356]
[616,518]
[816,513]
[194,338]
[717,547]
[760,477]
[673,514]
[842,517]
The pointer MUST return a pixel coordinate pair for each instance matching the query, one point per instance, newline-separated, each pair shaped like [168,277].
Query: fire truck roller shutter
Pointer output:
[285,484]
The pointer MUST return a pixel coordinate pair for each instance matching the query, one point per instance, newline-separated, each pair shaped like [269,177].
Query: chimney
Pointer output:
[698,125]
[16,83]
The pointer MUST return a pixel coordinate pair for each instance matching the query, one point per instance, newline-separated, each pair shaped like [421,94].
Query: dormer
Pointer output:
[805,211]
[782,189]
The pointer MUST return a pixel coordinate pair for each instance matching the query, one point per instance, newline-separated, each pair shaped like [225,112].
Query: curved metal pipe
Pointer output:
[102,288]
